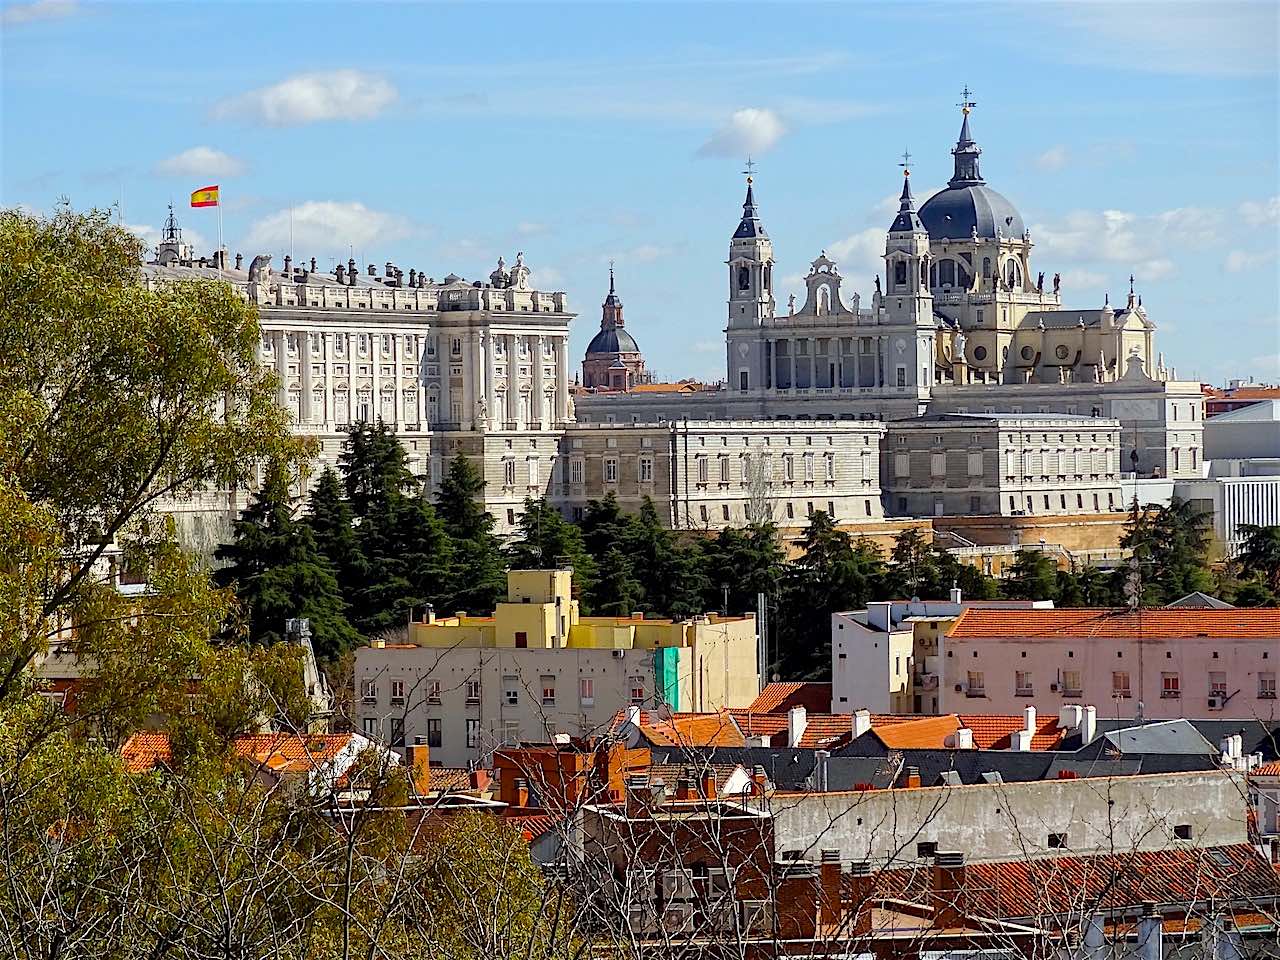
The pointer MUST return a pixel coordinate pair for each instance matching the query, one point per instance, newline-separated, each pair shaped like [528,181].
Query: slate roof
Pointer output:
[1117,624]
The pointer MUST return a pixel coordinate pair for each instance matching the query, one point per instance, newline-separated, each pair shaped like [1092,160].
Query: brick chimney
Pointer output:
[861,884]
[829,888]
[949,905]
[759,781]
[913,777]
[478,779]
[708,786]
[520,794]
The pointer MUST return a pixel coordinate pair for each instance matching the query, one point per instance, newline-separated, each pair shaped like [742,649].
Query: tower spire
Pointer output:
[907,220]
[966,150]
[750,225]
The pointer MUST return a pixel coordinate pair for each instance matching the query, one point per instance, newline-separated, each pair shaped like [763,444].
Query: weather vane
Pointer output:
[966,104]
[751,166]
[906,163]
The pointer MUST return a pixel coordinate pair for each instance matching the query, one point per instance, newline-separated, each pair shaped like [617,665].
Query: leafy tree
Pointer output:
[546,540]
[478,578]
[747,561]
[670,573]
[277,572]
[921,569]
[1032,576]
[615,592]
[1259,556]
[1170,549]
[1088,587]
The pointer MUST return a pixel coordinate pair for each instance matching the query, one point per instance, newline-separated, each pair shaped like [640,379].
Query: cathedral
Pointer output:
[959,322]
[613,360]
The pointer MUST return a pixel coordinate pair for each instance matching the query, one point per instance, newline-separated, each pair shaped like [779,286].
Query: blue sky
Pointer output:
[1132,137]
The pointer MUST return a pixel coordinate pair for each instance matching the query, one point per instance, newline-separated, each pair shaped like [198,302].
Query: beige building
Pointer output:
[467,685]
[1012,465]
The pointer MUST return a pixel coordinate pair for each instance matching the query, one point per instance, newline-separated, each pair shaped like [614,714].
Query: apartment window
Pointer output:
[1266,686]
[808,466]
[724,511]
[511,731]
[397,731]
[1071,683]
[791,511]
[702,513]
[637,689]
[1057,841]
[587,691]
[646,470]
[902,376]
[1182,831]
[473,691]
[522,639]
[433,733]
[1217,683]
[977,684]
[397,691]
[473,733]
[575,471]
[1022,683]
[1170,686]
[511,691]
[610,470]
[370,725]
[548,691]
[369,690]
[1120,683]
[788,467]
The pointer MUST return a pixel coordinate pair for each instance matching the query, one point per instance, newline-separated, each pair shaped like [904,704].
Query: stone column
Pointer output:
[375,376]
[326,345]
[562,380]
[468,380]
[282,367]
[535,400]
[397,381]
[813,363]
[442,365]
[882,359]
[419,383]
[513,381]
[305,413]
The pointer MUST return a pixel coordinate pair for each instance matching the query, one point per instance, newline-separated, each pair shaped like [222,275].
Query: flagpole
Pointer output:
[220,254]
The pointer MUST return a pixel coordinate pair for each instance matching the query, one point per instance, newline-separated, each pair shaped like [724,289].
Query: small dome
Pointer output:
[612,340]
[956,212]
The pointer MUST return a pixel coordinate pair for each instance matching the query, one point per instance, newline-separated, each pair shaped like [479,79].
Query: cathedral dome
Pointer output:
[957,212]
[613,340]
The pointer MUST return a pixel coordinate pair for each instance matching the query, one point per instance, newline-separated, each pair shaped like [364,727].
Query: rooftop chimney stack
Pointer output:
[340,274]
[239,260]
[797,720]
[1150,933]
[1089,725]
[313,264]
[860,897]
[829,880]
[861,723]
[956,595]
[949,906]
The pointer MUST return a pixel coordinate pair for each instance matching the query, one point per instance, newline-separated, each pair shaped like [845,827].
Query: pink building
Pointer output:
[1175,662]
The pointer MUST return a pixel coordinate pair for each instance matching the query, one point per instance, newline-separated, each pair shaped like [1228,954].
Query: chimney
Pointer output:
[820,758]
[520,797]
[1029,719]
[949,906]
[418,759]
[633,716]
[1020,741]
[1089,725]
[861,722]
[478,779]
[829,882]
[1070,716]
[313,264]
[759,781]
[797,720]
[964,739]
[413,277]
[373,271]
[956,595]
[340,274]
[1150,933]
[913,777]
[684,789]
[1275,850]
[391,269]
[860,897]
[239,260]
[708,789]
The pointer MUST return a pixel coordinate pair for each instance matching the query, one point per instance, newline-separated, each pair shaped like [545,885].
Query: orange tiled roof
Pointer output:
[1243,393]
[535,825]
[1271,769]
[925,733]
[444,779]
[1119,624]
[686,729]
[145,750]
[781,697]
[279,752]
[760,724]
[995,731]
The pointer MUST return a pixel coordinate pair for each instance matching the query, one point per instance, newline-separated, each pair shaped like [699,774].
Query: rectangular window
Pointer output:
[369,690]
[397,691]
[433,691]
[610,470]
[473,733]
[433,733]
[1071,683]
[509,473]
[646,470]
[511,731]
[977,686]
[937,465]
[902,465]
[1022,684]
[808,467]
[902,376]
[1170,686]
[575,471]
[511,691]
[473,691]
[788,467]
[371,727]
[1120,684]
[724,469]
[548,690]
[522,639]
[397,731]
[533,472]
[702,469]
[975,463]
[1217,684]
[637,689]
[830,469]
[587,691]
[1266,686]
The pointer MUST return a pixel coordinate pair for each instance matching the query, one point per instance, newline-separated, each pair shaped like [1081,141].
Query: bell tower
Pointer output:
[907,302]
[750,266]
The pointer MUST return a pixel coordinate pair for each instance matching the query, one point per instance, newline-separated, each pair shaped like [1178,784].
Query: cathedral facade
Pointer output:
[960,322]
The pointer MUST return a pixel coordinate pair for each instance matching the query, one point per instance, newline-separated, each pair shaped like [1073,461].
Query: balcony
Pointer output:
[1024,692]
[976,693]
[1170,694]
[1266,694]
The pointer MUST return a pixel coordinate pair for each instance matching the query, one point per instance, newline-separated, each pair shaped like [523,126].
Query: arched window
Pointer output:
[986,268]
[824,300]
[900,272]
[1012,275]
[962,277]
[768,277]
[947,273]
[744,278]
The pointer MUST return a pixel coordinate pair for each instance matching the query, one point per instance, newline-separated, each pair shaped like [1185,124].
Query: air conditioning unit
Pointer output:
[617,654]
[757,916]
[641,917]
[1216,703]
[677,918]
[677,885]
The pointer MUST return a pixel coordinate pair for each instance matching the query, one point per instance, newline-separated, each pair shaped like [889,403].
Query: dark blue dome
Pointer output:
[613,340]
[956,212]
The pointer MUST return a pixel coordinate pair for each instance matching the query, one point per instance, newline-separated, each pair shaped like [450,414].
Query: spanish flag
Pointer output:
[205,197]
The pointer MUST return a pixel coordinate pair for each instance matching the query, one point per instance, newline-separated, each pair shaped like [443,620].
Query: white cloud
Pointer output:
[200,162]
[859,255]
[546,278]
[1240,260]
[750,130]
[19,13]
[1083,280]
[707,346]
[1141,244]
[150,235]
[529,229]
[1261,212]
[325,226]
[313,97]
[1055,158]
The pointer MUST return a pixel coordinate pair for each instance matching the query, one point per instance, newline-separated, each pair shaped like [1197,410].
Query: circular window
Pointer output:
[979,353]
[1061,351]
[1027,353]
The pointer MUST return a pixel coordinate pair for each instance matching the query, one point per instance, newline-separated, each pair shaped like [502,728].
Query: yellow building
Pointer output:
[535,667]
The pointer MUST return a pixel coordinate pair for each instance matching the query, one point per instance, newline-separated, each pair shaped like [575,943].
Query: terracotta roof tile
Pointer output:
[781,697]
[279,752]
[444,779]
[1271,769]
[920,733]
[995,731]
[1122,624]
[145,750]
[685,729]
[535,825]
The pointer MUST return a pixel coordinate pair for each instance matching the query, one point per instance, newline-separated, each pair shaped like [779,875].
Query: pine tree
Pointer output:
[547,540]
[1032,576]
[615,592]
[477,579]
[277,573]
[329,518]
